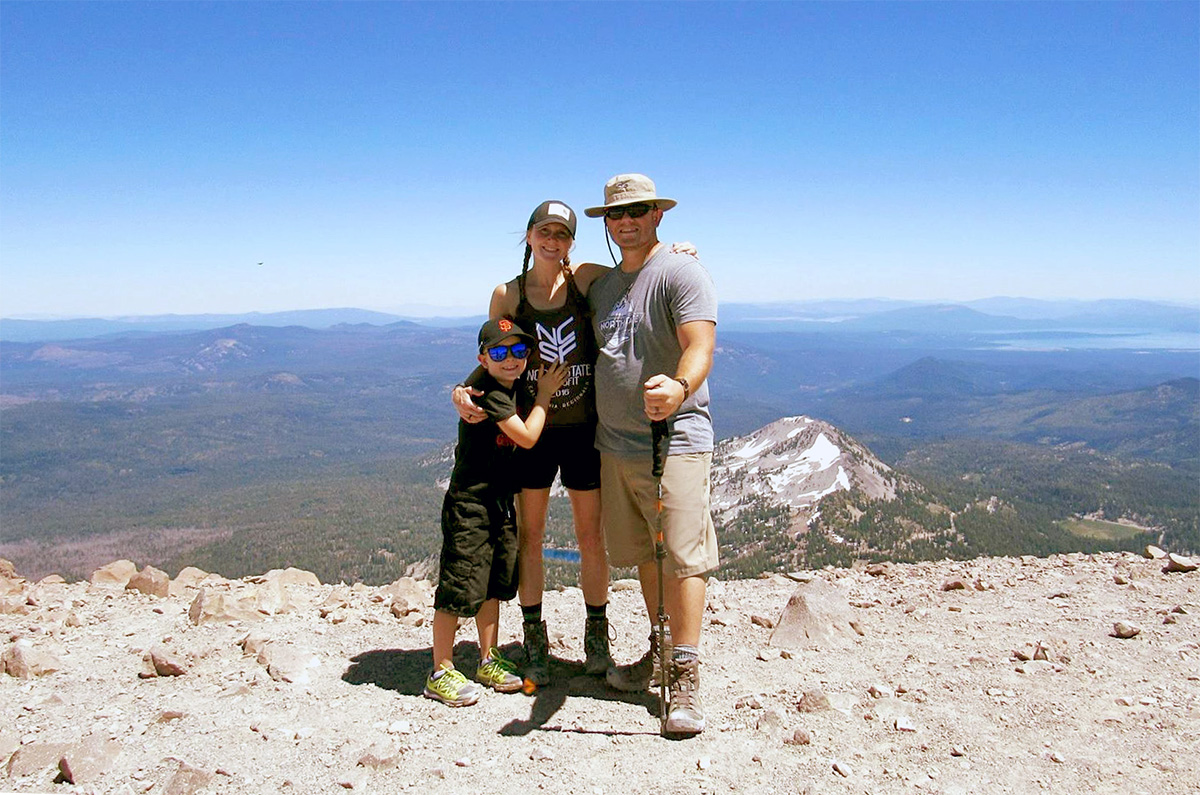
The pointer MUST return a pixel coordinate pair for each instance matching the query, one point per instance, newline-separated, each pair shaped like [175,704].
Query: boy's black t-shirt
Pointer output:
[484,452]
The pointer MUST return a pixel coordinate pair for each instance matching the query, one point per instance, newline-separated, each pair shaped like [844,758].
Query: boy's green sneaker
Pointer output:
[498,673]
[452,688]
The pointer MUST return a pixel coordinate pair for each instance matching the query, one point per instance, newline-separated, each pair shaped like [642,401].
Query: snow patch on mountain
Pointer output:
[220,351]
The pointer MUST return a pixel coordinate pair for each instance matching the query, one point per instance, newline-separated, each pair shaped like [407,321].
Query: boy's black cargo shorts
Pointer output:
[479,549]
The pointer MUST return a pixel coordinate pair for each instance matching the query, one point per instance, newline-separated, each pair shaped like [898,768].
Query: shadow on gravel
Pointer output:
[568,679]
[404,671]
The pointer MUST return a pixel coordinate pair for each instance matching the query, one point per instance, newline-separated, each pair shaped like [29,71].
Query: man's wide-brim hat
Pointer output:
[629,189]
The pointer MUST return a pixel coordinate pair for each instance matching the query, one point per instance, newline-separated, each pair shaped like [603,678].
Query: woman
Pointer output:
[549,299]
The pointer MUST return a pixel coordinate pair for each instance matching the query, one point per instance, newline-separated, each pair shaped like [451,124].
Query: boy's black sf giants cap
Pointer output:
[494,331]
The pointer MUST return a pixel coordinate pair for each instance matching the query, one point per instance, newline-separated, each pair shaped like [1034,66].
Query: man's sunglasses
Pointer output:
[499,353]
[632,210]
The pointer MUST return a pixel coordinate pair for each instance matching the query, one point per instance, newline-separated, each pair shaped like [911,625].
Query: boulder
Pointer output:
[1178,563]
[272,597]
[158,661]
[14,605]
[9,742]
[35,757]
[799,737]
[189,577]
[407,595]
[25,662]
[188,780]
[338,598]
[814,701]
[1125,630]
[150,581]
[292,576]
[115,575]
[254,643]
[210,607]
[10,583]
[88,760]
[818,615]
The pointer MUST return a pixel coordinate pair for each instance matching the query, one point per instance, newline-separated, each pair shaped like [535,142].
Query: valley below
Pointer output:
[250,447]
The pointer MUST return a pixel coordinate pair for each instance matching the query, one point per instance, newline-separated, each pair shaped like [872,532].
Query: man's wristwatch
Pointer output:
[687,388]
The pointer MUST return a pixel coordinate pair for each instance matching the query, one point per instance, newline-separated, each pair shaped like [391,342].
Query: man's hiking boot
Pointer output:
[641,675]
[685,715]
[452,688]
[537,653]
[595,646]
[498,673]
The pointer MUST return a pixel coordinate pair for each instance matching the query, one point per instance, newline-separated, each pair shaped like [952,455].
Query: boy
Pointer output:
[479,531]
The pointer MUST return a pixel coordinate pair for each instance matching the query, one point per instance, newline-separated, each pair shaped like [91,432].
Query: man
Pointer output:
[655,319]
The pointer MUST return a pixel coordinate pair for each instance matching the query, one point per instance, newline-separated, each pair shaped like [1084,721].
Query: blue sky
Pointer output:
[382,155]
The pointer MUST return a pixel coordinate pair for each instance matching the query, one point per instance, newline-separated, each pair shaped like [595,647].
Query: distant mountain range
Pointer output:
[988,316]
[19,330]
[280,441]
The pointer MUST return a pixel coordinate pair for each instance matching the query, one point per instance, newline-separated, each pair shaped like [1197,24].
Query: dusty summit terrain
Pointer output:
[992,675]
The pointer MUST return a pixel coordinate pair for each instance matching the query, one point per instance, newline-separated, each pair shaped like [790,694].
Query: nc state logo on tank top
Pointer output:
[559,341]
[555,344]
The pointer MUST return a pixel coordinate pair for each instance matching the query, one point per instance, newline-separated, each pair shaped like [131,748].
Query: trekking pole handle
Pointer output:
[658,435]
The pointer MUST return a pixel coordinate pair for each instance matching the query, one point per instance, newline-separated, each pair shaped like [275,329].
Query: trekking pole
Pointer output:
[658,435]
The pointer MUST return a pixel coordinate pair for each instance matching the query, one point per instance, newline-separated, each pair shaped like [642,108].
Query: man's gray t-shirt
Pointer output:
[635,316]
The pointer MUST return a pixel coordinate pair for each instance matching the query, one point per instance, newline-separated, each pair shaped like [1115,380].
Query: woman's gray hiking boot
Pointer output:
[641,675]
[595,647]
[685,715]
[537,652]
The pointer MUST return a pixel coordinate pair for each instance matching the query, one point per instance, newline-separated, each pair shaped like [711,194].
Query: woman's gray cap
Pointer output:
[552,212]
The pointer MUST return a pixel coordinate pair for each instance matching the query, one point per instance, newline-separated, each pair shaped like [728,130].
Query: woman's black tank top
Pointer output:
[563,334]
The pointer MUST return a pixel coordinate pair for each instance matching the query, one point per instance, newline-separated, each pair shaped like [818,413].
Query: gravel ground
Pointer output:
[933,696]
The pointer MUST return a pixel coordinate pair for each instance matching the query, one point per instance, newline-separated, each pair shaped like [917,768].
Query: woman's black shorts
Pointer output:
[569,450]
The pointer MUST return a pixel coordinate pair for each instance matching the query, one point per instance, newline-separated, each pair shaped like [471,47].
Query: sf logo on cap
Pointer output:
[505,324]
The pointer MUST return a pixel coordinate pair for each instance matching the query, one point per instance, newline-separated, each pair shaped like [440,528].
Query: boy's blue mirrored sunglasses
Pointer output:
[499,353]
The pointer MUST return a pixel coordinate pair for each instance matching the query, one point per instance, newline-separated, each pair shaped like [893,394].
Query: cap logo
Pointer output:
[561,210]
[505,324]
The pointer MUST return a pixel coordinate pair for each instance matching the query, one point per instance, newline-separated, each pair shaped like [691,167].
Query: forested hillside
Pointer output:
[248,448]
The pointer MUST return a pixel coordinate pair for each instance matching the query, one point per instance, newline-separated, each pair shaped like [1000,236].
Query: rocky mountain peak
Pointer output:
[795,462]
